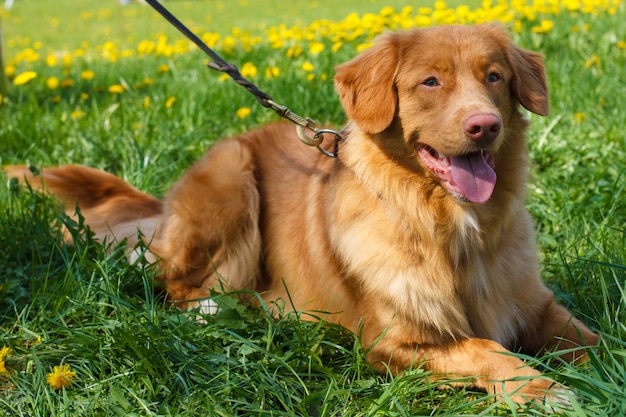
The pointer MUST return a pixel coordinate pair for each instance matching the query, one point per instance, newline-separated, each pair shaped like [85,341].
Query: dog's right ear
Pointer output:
[366,86]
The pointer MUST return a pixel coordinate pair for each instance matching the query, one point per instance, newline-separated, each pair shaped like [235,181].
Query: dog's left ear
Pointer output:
[529,80]
[366,86]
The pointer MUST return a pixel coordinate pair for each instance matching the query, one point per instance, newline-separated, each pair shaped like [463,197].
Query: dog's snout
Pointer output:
[482,128]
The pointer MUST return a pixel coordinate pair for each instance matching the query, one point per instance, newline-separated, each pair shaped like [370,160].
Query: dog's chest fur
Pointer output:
[449,281]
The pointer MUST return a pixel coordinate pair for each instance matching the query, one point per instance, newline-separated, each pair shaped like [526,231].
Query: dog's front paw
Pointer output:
[541,392]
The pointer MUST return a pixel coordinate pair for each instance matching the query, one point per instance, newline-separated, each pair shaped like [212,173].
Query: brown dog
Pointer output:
[417,232]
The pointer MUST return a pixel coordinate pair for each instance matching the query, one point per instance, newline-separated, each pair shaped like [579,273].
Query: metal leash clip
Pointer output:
[307,123]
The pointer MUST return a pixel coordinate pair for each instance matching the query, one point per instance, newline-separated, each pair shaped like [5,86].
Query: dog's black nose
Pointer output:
[483,127]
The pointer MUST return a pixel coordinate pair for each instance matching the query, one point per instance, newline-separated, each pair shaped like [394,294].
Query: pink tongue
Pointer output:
[473,176]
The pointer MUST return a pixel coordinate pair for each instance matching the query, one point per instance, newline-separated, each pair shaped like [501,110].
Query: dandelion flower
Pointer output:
[163,68]
[294,51]
[316,48]
[52,83]
[243,112]
[51,60]
[593,61]
[87,75]
[580,117]
[67,83]
[307,66]
[9,70]
[146,102]
[4,352]
[116,89]
[248,70]
[272,72]
[60,377]
[77,114]
[170,102]
[544,27]
[363,46]
[24,77]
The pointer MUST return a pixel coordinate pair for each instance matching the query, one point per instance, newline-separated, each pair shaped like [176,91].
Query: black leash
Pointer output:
[265,99]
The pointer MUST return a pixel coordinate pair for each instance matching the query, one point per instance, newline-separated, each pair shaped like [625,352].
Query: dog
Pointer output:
[416,236]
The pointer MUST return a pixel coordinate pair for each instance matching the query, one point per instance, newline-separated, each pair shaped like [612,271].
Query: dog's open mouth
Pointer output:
[470,177]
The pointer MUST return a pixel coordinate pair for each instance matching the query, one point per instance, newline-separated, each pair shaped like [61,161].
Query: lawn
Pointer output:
[115,87]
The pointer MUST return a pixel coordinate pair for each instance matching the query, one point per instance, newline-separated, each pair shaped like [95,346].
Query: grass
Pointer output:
[134,354]
[96,21]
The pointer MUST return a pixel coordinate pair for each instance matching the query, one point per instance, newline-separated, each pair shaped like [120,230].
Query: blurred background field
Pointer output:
[114,87]
[68,24]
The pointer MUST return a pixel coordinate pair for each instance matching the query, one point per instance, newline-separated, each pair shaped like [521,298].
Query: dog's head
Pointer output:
[453,90]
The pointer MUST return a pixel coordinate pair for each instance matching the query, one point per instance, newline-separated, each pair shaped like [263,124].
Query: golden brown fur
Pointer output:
[376,237]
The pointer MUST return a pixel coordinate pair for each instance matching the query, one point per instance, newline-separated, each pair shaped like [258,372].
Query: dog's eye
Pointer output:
[493,77]
[431,82]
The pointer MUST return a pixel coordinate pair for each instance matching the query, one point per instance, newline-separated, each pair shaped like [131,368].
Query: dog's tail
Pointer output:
[112,208]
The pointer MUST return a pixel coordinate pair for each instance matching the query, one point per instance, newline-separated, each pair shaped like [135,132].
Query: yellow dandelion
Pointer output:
[580,117]
[147,81]
[146,102]
[55,99]
[316,48]
[307,66]
[363,46]
[116,89]
[387,11]
[9,70]
[544,27]
[67,83]
[272,72]
[4,353]
[60,377]
[67,60]
[52,83]
[294,51]
[223,77]
[621,44]
[244,112]
[77,114]
[593,61]
[24,77]
[163,68]
[87,75]
[248,70]
[170,102]
[51,60]
[84,96]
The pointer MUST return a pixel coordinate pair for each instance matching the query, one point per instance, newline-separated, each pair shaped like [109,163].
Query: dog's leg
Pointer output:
[557,329]
[210,235]
[482,363]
